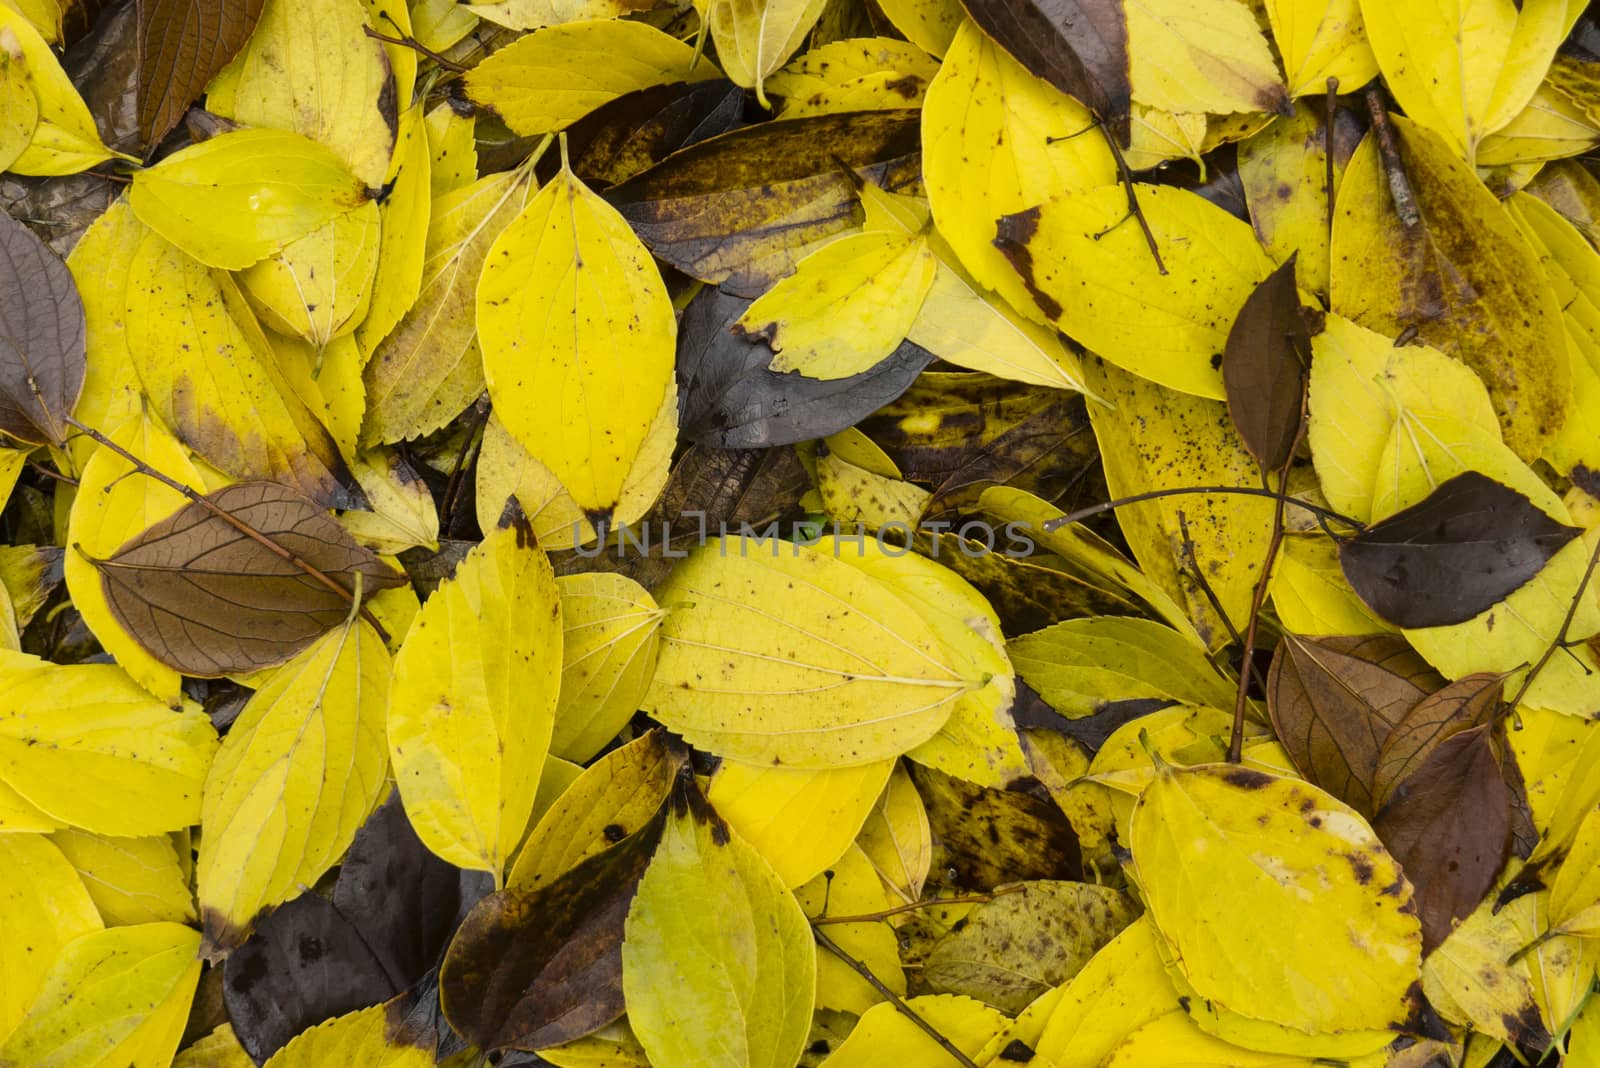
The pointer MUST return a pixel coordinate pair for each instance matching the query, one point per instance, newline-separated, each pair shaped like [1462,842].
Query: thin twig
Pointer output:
[1246,664]
[316,574]
[931,903]
[894,999]
[418,47]
[1201,491]
[48,473]
[1561,635]
[1405,201]
[1133,197]
[452,489]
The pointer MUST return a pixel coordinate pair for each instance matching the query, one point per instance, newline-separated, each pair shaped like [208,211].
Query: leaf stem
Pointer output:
[418,47]
[1560,640]
[931,903]
[1134,210]
[892,998]
[1200,491]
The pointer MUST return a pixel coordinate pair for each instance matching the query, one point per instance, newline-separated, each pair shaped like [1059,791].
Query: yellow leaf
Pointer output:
[1201,55]
[453,149]
[64,726]
[1550,127]
[359,1039]
[403,514]
[131,880]
[1330,944]
[847,674]
[506,470]
[1123,987]
[799,821]
[756,37]
[311,68]
[1284,170]
[1155,439]
[1464,69]
[1321,39]
[982,98]
[1078,665]
[897,840]
[112,505]
[99,264]
[17,813]
[1156,136]
[297,775]
[1311,595]
[117,998]
[853,495]
[272,186]
[219,1049]
[327,381]
[929,24]
[850,887]
[406,216]
[555,76]
[473,702]
[65,139]
[45,15]
[1173,1041]
[536,14]
[724,987]
[439,24]
[579,399]
[319,286]
[1547,751]
[884,1037]
[393,17]
[857,74]
[1472,978]
[43,906]
[429,368]
[610,638]
[1090,270]
[610,1047]
[209,374]
[19,110]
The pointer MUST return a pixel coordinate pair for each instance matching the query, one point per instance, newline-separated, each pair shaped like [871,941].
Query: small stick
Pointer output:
[452,489]
[233,521]
[47,473]
[894,999]
[1246,664]
[1405,201]
[931,903]
[1133,197]
[1560,641]
[418,47]
[1202,491]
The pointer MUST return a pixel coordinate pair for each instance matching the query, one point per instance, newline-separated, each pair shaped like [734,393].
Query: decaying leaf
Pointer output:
[42,351]
[1264,367]
[181,48]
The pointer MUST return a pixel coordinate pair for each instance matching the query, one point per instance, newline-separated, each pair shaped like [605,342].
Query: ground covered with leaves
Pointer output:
[756,533]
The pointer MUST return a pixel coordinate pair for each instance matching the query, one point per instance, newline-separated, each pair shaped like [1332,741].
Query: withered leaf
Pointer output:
[1264,367]
[393,906]
[729,398]
[984,837]
[530,969]
[1449,826]
[206,598]
[42,357]
[634,132]
[1462,549]
[1078,46]
[104,66]
[182,46]
[1334,702]
[740,210]
[1463,704]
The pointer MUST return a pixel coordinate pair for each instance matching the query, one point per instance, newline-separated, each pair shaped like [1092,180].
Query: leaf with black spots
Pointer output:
[636,131]
[730,399]
[1459,551]
[242,581]
[42,357]
[182,46]
[1265,364]
[984,838]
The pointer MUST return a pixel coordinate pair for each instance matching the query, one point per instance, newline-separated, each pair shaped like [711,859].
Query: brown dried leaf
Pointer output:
[204,597]
[182,46]
[1264,367]
[42,356]
[1465,703]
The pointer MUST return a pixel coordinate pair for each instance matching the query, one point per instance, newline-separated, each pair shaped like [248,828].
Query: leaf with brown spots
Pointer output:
[984,838]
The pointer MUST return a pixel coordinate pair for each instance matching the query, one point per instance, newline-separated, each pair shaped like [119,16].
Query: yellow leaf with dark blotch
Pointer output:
[272,186]
[63,726]
[473,702]
[724,987]
[982,98]
[43,905]
[1332,943]
[19,111]
[1201,55]
[406,217]
[848,674]
[393,18]
[242,581]
[859,74]
[319,287]
[1477,979]
[756,37]
[130,880]
[429,368]
[1321,39]
[119,996]
[1089,269]
[367,1038]
[555,76]
[740,210]
[609,643]
[297,775]
[580,400]
[851,887]
[1026,941]
[1464,279]
[612,798]
[884,1036]
[403,514]
[311,68]
[65,139]
[1123,987]
[1465,69]
[1157,438]
[799,821]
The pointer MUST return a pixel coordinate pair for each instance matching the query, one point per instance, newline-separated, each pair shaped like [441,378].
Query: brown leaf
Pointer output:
[1264,367]
[740,210]
[1459,551]
[1449,826]
[1465,703]
[182,46]
[42,357]
[207,599]
[1078,46]
[529,969]
[984,837]
[1334,701]
[634,132]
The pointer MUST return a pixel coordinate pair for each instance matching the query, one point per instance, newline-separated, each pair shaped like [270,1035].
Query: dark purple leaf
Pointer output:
[42,356]
[1264,367]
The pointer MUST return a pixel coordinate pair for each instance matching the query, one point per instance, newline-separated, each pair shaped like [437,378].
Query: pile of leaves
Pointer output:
[768,532]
